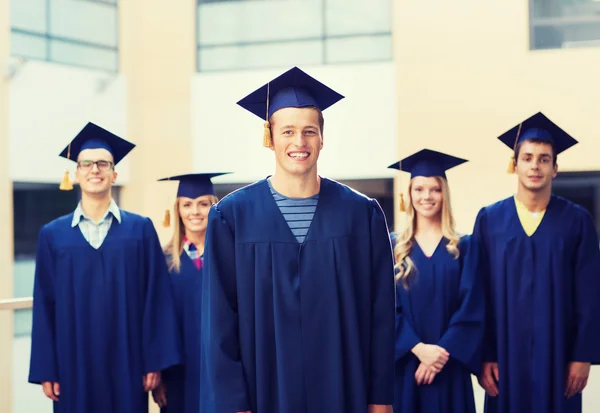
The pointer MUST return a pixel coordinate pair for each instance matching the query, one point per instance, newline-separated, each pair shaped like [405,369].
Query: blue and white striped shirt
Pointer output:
[298,212]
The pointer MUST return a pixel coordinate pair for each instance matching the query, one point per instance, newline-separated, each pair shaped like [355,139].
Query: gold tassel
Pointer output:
[511,165]
[267,141]
[167,219]
[402,204]
[65,184]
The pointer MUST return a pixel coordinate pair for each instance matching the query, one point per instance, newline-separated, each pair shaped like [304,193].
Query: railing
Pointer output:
[16,303]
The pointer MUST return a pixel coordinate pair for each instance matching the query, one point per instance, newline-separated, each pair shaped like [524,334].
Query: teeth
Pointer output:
[299,155]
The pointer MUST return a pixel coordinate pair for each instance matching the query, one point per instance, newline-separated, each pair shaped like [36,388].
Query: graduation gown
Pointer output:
[103,318]
[542,292]
[183,381]
[444,305]
[292,327]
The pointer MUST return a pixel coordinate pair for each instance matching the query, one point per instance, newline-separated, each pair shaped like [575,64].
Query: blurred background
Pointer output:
[447,75]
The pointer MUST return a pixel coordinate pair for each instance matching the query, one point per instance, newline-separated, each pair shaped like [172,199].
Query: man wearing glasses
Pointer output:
[103,319]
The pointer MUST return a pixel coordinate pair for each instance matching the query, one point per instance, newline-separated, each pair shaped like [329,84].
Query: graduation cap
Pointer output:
[428,163]
[537,127]
[192,186]
[93,136]
[292,89]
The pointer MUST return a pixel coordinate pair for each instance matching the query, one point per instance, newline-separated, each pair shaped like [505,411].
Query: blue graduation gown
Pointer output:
[292,327]
[183,381]
[543,307]
[444,305]
[102,319]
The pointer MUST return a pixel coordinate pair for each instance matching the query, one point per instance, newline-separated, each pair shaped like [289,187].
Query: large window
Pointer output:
[74,32]
[247,34]
[564,23]
[583,188]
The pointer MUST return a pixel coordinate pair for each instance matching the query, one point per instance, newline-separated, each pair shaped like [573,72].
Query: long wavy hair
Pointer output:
[174,247]
[405,267]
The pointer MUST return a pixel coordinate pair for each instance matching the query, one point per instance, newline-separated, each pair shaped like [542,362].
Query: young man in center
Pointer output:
[298,292]
[541,266]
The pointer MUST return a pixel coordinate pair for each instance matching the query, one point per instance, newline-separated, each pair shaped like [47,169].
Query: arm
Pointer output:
[464,337]
[586,346]
[160,334]
[43,364]
[224,372]
[381,380]
[490,353]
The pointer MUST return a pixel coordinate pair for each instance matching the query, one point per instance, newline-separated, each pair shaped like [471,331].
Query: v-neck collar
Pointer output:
[276,212]
[517,219]
[437,247]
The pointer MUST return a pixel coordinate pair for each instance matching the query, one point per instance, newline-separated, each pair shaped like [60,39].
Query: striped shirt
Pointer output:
[95,232]
[298,212]
[192,251]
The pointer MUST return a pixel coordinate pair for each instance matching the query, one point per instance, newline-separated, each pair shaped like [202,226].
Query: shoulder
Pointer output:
[241,197]
[344,192]
[569,209]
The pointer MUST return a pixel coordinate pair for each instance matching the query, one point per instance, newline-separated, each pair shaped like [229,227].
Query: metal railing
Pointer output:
[16,303]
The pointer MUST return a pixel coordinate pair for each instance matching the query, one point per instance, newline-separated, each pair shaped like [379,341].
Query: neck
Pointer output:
[197,238]
[534,201]
[95,206]
[296,186]
[428,226]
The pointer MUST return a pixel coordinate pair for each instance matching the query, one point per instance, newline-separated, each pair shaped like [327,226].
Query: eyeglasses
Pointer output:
[102,165]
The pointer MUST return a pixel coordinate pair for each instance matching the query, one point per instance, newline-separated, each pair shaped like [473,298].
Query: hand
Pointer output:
[380,408]
[424,375]
[151,381]
[577,377]
[489,378]
[431,355]
[159,394]
[51,390]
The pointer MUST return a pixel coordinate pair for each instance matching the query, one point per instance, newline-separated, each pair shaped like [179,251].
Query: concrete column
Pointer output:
[6,217]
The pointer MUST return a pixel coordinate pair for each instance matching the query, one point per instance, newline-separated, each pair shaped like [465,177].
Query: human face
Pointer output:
[427,197]
[535,168]
[194,213]
[297,140]
[92,179]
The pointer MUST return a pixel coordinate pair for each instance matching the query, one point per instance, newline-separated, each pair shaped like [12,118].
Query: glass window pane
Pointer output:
[80,55]
[260,56]
[358,17]
[359,49]
[28,15]
[566,36]
[84,20]
[24,45]
[235,22]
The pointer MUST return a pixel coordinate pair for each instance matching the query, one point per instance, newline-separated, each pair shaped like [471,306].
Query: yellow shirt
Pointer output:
[529,220]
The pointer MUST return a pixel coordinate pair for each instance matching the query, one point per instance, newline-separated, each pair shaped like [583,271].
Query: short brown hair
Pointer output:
[534,140]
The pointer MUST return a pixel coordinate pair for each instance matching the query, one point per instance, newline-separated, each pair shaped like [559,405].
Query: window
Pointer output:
[583,188]
[564,23]
[246,34]
[74,32]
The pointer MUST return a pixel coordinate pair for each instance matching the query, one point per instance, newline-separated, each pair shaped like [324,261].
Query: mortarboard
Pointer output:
[192,186]
[537,127]
[292,89]
[93,136]
[426,163]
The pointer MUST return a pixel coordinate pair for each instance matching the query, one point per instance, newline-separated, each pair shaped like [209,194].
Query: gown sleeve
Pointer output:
[224,373]
[586,346]
[381,389]
[464,337]
[490,352]
[43,363]
[161,343]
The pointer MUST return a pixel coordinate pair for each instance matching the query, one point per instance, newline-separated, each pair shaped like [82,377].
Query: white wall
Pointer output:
[360,140]
[48,105]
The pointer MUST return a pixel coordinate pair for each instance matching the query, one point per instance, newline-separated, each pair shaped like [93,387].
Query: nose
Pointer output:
[299,140]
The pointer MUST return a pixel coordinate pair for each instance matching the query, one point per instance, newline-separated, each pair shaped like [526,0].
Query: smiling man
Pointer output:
[541,266]
[298,292]
[103,315]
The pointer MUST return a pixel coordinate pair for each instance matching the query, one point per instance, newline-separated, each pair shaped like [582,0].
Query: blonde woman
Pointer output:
[439,297]
[179,391]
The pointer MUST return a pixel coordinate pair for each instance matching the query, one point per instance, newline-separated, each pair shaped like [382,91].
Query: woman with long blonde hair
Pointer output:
[439,297]
[179,391]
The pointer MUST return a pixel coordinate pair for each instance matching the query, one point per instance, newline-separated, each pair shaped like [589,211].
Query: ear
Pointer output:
[555,171]
[322,140]
[77,175]
[114,177]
